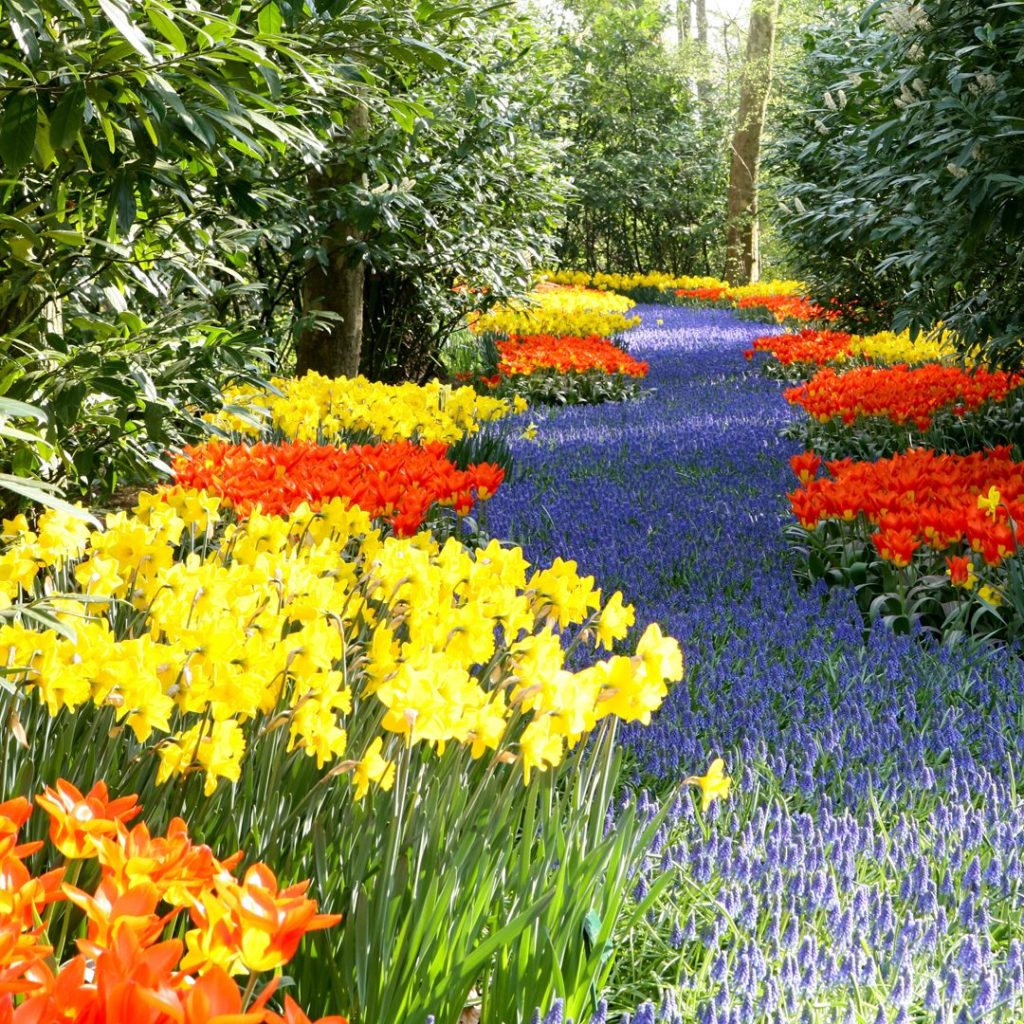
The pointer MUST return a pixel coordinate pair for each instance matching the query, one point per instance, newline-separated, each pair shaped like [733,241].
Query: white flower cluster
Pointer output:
[909,96]
[904,17]
[983,82]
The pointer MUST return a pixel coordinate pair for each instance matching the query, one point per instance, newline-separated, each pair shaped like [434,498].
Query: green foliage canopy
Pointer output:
[904,194]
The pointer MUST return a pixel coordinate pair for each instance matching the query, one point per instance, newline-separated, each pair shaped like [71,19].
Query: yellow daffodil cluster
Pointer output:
[765,290]
[668,282]
[560,311]
[204,634]
[627,282]
[316,408]
[889,347]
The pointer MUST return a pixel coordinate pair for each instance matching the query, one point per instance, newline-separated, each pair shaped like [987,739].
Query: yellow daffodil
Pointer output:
[713,786]
[615,621]
[373,768]
[244,626]
[989,503]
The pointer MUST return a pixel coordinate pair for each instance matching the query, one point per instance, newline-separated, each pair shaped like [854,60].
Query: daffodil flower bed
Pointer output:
[328,411]
[559,310]
[200,628]
[780,301]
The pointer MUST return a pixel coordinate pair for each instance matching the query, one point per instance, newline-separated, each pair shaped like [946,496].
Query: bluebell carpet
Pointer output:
[868,867]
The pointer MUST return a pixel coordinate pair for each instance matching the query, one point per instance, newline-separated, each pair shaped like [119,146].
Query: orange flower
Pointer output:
[76,820]
[126,972]
[176,866]
[252,925]
[788,307]
[272,922]
[805,466]
[14,814]
[713,293]
[932,497]
[293,1014]
[961,571]
[896,546]
[111,911]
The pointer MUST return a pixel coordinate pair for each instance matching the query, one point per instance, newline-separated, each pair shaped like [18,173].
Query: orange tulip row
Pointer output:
[788,307]
[806,347]
[526,354]
[899,393]
[398,481]
[919,499]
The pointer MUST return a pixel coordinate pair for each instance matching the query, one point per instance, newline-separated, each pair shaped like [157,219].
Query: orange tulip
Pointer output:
[293,1014]
[75,820]
[931,497]
[271,922]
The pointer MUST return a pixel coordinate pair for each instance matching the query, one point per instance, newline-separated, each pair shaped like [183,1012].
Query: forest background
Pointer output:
[198,193]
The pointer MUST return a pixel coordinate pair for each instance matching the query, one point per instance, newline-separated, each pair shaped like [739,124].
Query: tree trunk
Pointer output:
[742,255]
[703,81]
[683,19]
[701,8]
[332,291]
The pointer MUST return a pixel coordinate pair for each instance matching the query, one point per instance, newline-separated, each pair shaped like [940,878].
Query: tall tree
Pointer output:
[683,19]
[742,252]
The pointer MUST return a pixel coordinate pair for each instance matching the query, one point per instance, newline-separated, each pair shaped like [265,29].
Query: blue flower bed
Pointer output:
[868,866]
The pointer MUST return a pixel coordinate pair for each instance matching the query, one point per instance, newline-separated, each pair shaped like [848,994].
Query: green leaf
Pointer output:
[124,200]
[67,119]
[73,238]
[12,407]
[167,29]
[131,33]
[36,491]
[18,129]
[270,20]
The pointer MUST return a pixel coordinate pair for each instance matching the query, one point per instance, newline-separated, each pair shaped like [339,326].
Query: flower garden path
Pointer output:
[858,761]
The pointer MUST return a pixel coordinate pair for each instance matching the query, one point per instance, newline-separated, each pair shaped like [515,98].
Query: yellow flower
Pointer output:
[887,347]
[373,768]
[990,502]
[61,536]
[661,654]
[17,529]
[713,786]
[541,746]
[615,621]
[218,749]
[990,595]
[530,432]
